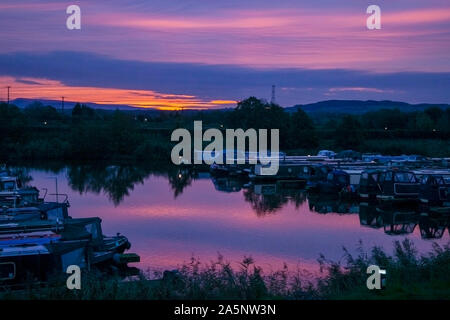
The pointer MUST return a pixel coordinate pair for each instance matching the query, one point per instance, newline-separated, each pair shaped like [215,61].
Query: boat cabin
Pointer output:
[40,248]
[35,262]
[398,185]
[52,211]
[368,184]
[13,193]
[435,189]
[336,181]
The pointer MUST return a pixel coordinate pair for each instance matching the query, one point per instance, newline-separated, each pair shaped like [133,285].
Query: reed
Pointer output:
[409,276]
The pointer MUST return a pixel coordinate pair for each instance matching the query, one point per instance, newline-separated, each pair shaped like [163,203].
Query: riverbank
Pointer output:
[409,276]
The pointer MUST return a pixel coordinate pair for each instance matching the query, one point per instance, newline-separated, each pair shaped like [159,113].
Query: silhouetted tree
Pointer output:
[301,132]
[348,134]
[39,112]
[434,113]
[83,111]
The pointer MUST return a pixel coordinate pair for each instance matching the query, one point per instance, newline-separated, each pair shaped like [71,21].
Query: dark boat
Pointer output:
[398,186]
[34,250]
[314,174]
[43,211]
[288,172]
[435,189]
[14,193]
[344,183]
[368,185]
[36,260]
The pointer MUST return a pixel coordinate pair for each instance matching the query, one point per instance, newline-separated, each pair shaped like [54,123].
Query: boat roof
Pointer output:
[28,239]
[353,171]
[44,225]
[432,172]
[23,250]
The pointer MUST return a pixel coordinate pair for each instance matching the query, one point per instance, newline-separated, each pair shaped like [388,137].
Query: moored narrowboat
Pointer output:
[435,189]
[398,186]
[36,260]
[33,250]
[340,182]
[368,185]
[43,211]
[14,193]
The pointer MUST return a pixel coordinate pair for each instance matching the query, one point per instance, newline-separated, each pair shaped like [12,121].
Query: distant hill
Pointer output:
[359,106]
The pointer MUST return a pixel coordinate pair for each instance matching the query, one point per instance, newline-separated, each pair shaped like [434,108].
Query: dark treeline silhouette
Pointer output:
[43,132]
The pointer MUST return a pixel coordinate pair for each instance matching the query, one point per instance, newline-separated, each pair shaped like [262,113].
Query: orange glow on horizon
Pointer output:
[34,88]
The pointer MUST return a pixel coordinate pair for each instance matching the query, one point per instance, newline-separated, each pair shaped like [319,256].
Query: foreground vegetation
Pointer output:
[409,276]
[42,132]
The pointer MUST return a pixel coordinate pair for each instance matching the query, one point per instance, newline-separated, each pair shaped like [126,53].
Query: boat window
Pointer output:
[388,176]
[424,179]
[54,214]
[330,177]
[8,185]
[405,177]
[365,175]
[92,229]
[7,270]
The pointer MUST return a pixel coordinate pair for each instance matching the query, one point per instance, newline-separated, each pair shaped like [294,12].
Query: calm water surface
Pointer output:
[173,215]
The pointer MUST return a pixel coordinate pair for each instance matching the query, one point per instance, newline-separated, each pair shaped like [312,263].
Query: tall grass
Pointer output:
[409,276]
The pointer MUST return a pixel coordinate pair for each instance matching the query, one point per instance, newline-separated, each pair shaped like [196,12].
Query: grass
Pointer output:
[409,276]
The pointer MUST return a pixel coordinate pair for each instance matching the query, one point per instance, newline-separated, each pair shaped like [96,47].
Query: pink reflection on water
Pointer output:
[203,222]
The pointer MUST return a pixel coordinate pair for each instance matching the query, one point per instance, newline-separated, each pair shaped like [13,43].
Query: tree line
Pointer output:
[43,132]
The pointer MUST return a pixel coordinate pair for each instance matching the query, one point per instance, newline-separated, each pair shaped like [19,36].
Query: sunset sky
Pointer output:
[173,54]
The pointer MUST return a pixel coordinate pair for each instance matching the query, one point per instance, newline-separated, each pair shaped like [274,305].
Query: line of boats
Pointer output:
[403,179]
[397,195]
[39,239]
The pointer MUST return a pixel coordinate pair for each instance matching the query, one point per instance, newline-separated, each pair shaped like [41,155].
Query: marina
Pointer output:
[323,202]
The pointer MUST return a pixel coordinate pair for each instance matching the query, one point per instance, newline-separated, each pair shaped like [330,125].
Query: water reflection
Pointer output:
[118,182]
[271,198]
[180,178]
[403,221]
[328,204]
[115,181]
[170,213]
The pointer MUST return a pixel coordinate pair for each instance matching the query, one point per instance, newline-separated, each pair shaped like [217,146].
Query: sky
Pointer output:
[173,54]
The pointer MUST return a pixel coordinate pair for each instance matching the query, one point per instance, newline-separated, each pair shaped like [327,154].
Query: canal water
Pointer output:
[172,215]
